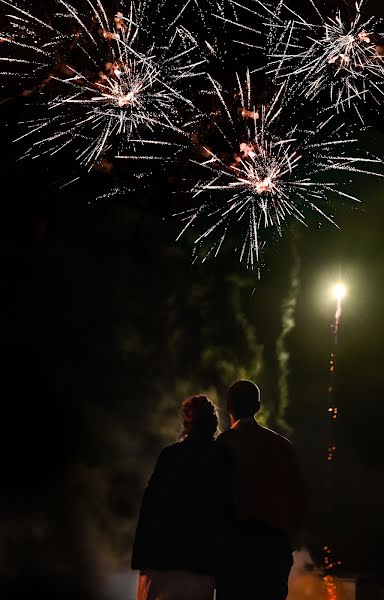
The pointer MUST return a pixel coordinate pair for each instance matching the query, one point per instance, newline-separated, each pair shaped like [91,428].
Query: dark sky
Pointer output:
[106,326]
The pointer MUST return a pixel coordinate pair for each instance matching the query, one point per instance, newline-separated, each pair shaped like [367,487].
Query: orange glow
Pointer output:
[247,149]
[363,35]
[329,580]
[119,21]
[330,586]
[107,35]
[250,114]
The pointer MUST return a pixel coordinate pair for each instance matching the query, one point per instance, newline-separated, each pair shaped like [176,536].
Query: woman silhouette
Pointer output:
[183,511]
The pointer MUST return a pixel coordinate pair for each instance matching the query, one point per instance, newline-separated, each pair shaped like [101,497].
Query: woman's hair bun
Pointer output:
[199,416]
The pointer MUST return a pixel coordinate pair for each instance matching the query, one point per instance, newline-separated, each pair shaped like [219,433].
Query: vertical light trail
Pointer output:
[339,292]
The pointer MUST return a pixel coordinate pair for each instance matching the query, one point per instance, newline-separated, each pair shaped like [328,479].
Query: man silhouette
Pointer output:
[267,500]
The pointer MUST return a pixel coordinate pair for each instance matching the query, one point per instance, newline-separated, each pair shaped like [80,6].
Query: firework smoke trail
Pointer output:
[288,309]
[339,55]
[275,172]
[117,92]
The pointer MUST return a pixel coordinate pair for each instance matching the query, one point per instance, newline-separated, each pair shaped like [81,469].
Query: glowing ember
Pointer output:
[329,580]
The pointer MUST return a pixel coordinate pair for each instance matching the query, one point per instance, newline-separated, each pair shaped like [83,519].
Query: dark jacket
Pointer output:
[184,509]
[266,480]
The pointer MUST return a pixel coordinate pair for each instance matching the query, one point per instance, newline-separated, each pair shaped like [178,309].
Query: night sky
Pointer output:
[106,326]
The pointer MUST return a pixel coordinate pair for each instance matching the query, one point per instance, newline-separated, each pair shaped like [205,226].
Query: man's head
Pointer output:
[243,400]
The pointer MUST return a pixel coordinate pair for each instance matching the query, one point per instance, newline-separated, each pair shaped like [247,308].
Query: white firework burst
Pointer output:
[273,171]
[338,54]
[116,90]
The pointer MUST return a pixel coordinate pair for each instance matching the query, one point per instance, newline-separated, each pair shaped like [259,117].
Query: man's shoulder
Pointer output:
[277,437]
[278,441]
[229,436]
[229,439]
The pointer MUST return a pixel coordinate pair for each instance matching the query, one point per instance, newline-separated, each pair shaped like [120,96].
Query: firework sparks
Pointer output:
[31,42]
[244,19]
[339,55]
[201,8]
[328,578]
[200,18]
[339,292]
[116,92]
[275,172]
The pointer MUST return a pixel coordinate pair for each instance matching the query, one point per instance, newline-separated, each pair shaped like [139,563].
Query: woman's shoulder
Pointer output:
[173,451]
[175,457]
[188,447]
[169,451]
[167,459]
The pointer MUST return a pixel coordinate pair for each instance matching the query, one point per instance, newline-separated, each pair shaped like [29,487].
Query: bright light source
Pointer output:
[339,291]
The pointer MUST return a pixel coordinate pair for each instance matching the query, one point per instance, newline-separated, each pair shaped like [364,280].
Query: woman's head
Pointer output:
[199,417]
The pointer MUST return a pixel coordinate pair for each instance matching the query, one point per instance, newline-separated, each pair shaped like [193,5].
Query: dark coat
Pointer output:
[267,483]
[184,509]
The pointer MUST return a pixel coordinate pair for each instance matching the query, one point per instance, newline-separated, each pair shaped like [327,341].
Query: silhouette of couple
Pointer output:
[220,514]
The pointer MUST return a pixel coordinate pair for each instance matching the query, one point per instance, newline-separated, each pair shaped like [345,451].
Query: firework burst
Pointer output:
[115,91]
[272,171]
[28,45]
[340,55]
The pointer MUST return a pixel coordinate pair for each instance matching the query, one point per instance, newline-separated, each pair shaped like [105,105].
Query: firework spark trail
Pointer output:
[199,18]
[275,172]
[199,8]
[253,23]
[332,408]
[122,92]
[34,38]
[328,578]
[329,562]
[240,16]
[341,56]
